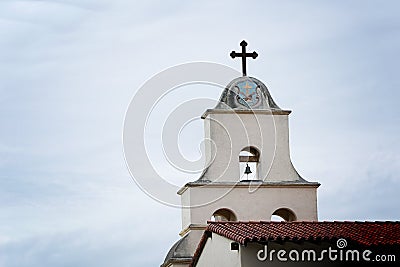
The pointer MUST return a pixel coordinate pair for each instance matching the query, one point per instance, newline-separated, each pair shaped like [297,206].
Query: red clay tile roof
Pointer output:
[364,233]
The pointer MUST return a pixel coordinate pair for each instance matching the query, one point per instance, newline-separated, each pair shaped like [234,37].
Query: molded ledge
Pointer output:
[246,111]
[248,183]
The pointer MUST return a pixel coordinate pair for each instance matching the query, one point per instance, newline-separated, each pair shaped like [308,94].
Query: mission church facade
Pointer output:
[248,178]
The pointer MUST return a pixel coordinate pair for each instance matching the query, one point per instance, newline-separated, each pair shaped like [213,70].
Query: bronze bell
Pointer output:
[247,170]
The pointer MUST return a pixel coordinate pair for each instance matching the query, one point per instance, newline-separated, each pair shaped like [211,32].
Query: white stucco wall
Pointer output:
[231,132]
[257,206]
[217,253]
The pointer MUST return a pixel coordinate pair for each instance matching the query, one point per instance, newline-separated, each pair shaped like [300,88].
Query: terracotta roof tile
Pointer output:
[364,233]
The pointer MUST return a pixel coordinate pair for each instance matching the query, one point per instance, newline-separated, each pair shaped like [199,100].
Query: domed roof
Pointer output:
[246,93]
[181,251]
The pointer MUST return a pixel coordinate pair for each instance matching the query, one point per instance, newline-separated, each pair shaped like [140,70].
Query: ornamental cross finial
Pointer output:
[243,55]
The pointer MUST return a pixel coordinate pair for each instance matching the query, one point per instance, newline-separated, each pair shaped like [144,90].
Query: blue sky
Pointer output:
[68,70]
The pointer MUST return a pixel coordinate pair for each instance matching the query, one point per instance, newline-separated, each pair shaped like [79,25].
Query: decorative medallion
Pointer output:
[248,95]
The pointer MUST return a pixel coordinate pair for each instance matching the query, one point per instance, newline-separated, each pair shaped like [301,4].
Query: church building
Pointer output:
[248,179]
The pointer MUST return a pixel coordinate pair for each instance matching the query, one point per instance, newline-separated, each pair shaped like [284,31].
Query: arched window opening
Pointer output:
[248,163]
[283,214]
[223,215]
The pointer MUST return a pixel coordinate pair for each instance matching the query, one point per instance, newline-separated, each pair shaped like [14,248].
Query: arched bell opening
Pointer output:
[223,215]
[283,214]
[249,159]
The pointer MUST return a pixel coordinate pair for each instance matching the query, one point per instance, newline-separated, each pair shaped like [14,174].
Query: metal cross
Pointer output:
[243,55]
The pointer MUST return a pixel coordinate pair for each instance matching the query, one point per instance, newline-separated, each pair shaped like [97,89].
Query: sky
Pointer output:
[69,69]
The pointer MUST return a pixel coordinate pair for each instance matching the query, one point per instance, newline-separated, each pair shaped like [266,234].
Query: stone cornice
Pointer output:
[191,227]
[246,111]
[247,184]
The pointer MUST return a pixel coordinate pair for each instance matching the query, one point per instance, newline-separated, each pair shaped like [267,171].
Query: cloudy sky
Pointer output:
[69,68]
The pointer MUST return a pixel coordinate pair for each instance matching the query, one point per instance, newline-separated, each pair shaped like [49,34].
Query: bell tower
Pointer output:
[248,174]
